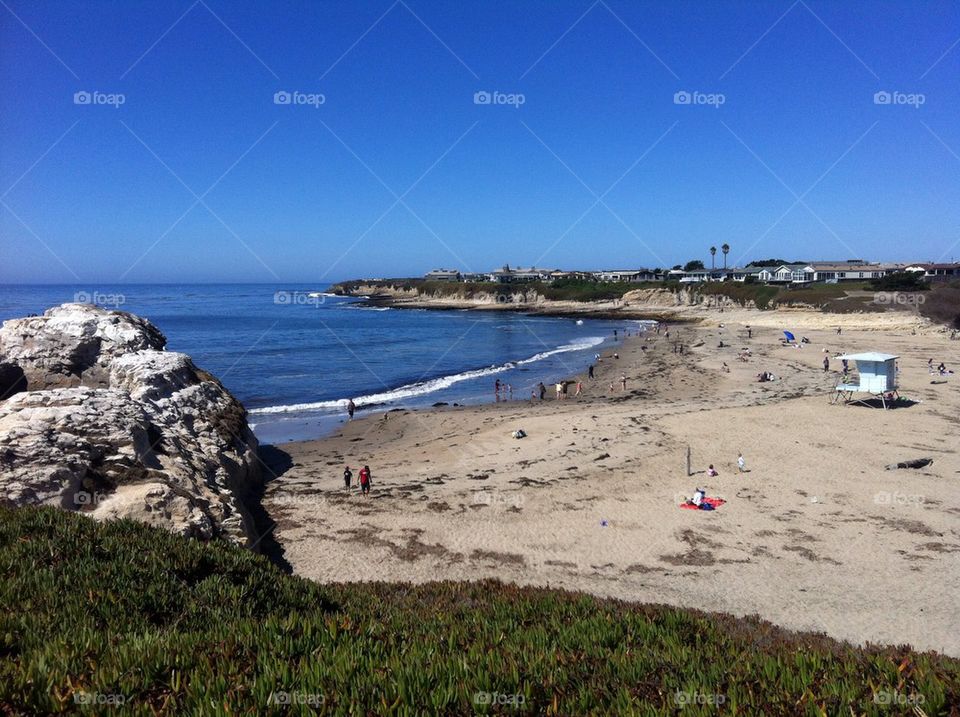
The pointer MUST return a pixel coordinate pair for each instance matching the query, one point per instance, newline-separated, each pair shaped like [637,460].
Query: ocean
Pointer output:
[293,354]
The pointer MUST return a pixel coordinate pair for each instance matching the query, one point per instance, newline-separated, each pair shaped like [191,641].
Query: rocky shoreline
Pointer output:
[96,417]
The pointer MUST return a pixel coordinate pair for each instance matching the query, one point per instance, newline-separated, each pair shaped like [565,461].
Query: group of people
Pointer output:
[364,479]
[502,391]
[940,370]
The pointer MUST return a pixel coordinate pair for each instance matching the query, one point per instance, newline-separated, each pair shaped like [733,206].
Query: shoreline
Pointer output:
[816,536]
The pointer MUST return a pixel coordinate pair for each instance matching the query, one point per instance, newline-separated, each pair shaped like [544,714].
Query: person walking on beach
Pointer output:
[351,408]
[559,389]
[543,390]
[741,464]
[623,382]
[826,363]
[839,329]
[347,477]
[590,371]
[579,388]
[365,480]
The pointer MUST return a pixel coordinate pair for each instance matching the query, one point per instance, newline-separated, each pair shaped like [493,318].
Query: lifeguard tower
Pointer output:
[877,376]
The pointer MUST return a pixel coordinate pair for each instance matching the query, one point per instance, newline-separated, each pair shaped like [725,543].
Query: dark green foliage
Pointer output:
[694,265]
[760,294]
[773,262]
[181,627]
[942,303]
[901,281]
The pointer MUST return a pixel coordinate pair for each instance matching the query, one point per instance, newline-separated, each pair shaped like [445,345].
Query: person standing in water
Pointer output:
[351,407]
[347,477]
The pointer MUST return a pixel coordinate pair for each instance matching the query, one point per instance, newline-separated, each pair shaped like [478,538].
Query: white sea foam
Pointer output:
[425,387]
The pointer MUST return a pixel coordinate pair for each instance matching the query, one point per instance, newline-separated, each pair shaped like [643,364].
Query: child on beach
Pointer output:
[347,477]
[579,388]
[711,471]
[741,464]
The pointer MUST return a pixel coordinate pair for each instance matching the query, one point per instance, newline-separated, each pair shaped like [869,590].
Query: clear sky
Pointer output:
[587,157]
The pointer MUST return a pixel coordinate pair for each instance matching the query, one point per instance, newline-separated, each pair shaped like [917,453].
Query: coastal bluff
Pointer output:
[96,417]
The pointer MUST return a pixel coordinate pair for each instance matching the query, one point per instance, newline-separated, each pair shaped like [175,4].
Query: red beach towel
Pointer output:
[715,502]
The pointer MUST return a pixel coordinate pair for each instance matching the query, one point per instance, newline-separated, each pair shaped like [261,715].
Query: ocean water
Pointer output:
[294,355]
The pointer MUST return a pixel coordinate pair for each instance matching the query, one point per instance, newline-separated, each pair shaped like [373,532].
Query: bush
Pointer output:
[122,611]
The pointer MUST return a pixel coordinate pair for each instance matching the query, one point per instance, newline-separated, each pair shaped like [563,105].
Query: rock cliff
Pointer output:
[95,416]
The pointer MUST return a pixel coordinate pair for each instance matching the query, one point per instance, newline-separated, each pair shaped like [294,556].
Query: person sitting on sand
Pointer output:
[712,472]
[942,369]
[347,477]
[698,495]
[726,369]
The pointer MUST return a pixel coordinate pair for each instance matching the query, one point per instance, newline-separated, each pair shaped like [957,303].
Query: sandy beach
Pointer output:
[816,535]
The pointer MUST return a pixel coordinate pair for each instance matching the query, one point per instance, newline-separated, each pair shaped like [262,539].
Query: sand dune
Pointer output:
[818,535]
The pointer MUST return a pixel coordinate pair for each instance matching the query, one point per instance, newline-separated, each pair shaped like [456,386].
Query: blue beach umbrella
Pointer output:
[790,337]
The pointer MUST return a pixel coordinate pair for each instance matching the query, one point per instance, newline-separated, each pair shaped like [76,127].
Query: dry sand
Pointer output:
[817,535]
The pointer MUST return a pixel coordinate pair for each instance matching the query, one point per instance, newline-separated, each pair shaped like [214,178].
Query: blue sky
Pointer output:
[199,176]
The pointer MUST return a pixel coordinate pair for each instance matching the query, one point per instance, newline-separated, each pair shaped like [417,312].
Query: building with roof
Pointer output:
[442,275]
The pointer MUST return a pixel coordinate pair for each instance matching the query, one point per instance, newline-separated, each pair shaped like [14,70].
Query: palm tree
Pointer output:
[713,253]
[726,250]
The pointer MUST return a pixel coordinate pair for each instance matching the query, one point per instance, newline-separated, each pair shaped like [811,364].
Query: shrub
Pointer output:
[125,611]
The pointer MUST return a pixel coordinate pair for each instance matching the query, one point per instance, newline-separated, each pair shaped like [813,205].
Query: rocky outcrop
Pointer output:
[100,419]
